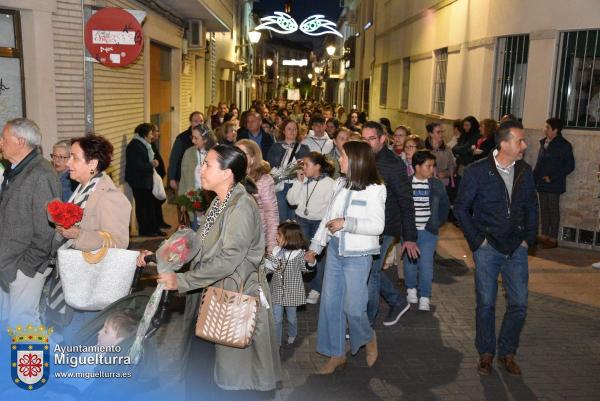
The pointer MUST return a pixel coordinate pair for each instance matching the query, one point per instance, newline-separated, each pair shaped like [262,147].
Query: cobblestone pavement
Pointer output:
[431,356]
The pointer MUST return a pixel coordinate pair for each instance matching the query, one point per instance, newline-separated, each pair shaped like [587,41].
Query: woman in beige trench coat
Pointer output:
[232,246]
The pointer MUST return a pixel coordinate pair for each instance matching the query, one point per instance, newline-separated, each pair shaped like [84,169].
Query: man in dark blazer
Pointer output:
[256,133]
[181,144]
[30,182]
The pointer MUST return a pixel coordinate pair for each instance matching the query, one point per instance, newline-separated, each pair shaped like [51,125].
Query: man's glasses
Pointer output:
[58,157]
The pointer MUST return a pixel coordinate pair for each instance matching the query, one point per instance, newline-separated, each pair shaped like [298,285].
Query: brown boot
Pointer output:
[372,352]
[510,364]
[485,364]
[334,362]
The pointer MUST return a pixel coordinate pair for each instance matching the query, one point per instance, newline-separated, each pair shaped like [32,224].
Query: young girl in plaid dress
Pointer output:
[287,264]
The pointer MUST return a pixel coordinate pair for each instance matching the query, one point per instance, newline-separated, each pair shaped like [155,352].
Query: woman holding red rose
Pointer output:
[105,208]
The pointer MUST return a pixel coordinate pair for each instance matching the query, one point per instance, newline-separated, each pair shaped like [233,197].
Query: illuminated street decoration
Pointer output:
[284,24]
[297,63]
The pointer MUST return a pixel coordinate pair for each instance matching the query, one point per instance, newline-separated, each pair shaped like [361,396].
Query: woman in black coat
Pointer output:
[140,162]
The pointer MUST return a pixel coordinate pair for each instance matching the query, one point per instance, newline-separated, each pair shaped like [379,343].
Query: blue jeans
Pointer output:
[285,210]
[423,267]
[515,276]
[290,311]
[380,284]
[309,228]
[344,298]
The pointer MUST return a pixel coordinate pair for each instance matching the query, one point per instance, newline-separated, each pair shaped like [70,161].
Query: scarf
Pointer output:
[11,172]
[82,193]
[147,145]
[215,210]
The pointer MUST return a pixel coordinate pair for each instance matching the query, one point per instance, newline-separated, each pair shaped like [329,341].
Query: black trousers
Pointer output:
[549,213]
[145,211]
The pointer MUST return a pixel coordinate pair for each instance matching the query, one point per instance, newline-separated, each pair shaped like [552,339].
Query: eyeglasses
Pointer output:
[58,157]
[410,147]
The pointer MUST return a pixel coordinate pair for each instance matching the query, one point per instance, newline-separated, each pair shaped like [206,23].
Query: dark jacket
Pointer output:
[181,144]
[160,169]
[439,204]
[215,121]
[277,151]
[138,166]
[399,207]
[487,147]
[25,232]
[555,162]
[266,142]
[462,150]
[485,210]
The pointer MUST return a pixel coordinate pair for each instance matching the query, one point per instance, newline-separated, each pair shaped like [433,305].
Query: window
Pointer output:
[511,72]
[383,85]
[439,81]
[577,91]
[12,99]
[405,82]
[366,86]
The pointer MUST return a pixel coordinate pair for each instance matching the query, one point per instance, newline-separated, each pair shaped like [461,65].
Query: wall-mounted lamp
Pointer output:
[310,75]
[330,50]
[269,62]
[298,80]
[318,70]
[254,37]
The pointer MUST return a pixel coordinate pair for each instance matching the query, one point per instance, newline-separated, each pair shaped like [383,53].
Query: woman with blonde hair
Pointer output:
[258,170]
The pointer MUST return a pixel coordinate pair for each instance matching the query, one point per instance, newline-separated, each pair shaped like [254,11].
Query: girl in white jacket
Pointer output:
[350,229]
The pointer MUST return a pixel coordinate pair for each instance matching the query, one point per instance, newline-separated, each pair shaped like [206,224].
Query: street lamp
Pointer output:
[269,62]
[298,80]
[330,50]
[310,75]
[317,70]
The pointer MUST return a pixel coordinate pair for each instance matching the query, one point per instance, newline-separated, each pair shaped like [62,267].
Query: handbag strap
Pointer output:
[107,242]
[293,152]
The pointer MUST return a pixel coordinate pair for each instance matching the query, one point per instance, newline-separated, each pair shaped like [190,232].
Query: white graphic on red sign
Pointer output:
[114,37]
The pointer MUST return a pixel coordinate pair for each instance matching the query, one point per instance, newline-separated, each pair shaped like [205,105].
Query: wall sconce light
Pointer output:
[330,50]
[254,37]
[310,75]
[298,80]
[269,62]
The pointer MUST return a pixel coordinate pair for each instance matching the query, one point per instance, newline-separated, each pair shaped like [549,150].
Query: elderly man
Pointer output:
[497,208]
[29,184]
[256,133]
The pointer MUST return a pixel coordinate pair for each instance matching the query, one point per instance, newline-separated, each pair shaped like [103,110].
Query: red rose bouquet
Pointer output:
[64,214]
[194,201]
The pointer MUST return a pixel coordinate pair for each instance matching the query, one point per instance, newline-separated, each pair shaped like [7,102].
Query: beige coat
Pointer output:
[107,209]
[235,247]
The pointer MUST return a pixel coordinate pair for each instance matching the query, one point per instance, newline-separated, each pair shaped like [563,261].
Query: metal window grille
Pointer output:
[383,85]
[577,90]
[511,73]
[405,82]
[439,83]
[366,84]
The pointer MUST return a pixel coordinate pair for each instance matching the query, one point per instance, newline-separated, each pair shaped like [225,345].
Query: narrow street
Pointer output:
[431,356]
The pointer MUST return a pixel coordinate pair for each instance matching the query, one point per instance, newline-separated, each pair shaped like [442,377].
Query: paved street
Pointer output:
[431,356]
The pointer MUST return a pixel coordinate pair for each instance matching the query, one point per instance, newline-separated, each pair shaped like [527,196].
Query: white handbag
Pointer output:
[158,188]
[92,281]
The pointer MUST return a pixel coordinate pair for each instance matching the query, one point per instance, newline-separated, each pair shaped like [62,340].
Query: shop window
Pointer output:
[12,94]
[577,87]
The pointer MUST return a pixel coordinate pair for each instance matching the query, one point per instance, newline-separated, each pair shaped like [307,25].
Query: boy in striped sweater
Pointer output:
[431,211]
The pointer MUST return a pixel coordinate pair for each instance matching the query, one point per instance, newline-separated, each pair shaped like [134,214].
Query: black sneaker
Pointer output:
[395,314]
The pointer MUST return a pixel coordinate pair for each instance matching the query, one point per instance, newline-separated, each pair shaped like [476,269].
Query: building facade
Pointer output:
[418,61]
[191,58]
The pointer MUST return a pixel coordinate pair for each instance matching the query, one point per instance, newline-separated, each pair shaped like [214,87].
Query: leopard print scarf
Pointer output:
[213,213]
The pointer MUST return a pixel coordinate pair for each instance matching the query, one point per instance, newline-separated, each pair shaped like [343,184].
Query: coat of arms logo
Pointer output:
[30,356]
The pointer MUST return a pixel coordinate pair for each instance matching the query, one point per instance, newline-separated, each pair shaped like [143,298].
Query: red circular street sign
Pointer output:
[113,37]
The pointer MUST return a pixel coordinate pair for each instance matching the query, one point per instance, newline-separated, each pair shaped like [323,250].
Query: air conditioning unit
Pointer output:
[195,34]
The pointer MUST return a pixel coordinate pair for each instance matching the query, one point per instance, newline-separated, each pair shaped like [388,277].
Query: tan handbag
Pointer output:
[227,317]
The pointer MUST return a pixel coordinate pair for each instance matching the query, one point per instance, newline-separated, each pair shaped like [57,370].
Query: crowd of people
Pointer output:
[303,191]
